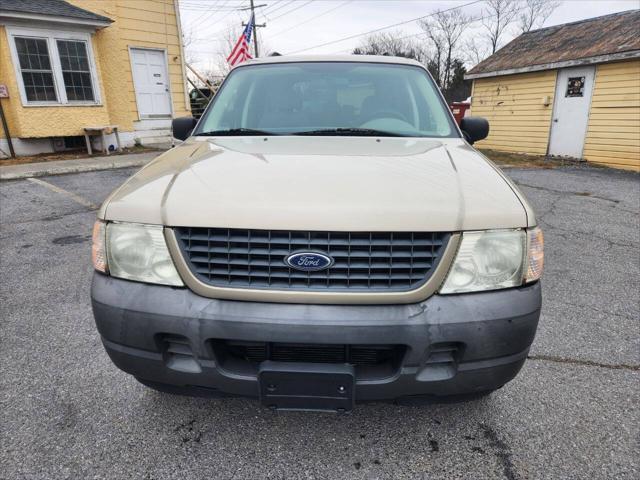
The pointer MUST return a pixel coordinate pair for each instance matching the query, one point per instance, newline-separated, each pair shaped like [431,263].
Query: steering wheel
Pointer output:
[387,114]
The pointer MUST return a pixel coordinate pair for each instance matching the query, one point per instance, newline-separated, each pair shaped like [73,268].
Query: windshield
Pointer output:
[334,98]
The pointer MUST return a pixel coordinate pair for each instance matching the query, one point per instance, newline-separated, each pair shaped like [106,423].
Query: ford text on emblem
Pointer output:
[309,261]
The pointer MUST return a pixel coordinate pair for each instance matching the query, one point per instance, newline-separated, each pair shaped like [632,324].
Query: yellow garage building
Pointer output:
[68,65]
[571,90]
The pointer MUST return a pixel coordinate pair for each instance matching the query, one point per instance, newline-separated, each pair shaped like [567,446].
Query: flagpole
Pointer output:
[255,25]
[255,33]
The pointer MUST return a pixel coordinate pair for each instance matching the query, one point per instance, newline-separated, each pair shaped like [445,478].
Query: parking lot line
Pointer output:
[76,198]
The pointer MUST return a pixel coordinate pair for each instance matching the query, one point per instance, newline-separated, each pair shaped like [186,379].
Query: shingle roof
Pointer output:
[607,35]
[58,8]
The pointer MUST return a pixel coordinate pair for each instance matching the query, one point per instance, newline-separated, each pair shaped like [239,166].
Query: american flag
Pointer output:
[240,52]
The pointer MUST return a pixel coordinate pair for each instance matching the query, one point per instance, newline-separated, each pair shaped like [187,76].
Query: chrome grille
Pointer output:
[364,261]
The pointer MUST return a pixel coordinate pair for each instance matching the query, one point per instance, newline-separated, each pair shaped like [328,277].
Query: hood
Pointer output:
[320,183]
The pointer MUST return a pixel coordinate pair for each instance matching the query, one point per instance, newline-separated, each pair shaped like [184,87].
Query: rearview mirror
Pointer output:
[474,128]
[182,127]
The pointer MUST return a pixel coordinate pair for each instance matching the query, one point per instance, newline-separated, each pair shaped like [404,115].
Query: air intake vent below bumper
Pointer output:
[370,361]
[178,354]
[442,362]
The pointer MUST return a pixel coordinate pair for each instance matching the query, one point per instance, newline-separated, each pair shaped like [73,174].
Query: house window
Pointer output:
[75,70]
[35,66]
[575,87]
[54,66]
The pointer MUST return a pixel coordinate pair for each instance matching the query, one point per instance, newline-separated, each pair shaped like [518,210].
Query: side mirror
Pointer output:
[474,128]
[182,127]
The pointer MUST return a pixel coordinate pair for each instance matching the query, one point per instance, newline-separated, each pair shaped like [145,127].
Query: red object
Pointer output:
[459,110]
[240,52]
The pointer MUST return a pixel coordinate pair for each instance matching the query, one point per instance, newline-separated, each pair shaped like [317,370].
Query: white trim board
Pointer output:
[54,57]
[152,124]
[614,57]
[57,19]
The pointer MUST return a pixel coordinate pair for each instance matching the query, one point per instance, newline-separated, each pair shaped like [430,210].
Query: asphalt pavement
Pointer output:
[572,413]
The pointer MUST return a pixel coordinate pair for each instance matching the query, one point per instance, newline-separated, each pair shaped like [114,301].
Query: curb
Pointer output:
[43,171]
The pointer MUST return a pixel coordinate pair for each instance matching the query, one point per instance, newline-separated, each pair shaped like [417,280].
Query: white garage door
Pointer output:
[151,83]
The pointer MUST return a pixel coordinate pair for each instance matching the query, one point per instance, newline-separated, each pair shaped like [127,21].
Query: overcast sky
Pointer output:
[295,25]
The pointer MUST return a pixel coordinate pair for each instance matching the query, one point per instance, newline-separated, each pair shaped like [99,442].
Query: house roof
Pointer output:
[56,8]
[595,40]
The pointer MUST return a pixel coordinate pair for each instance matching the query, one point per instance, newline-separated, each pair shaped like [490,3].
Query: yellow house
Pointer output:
[73,64]
[571,90]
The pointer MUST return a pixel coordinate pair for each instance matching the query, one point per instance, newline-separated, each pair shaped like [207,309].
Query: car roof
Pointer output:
[332,58]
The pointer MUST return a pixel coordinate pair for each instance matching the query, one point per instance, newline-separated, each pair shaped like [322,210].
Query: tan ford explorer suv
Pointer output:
[325,234]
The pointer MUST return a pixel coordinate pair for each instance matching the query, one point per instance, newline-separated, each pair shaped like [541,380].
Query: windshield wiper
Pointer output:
[234,132]
[360,132]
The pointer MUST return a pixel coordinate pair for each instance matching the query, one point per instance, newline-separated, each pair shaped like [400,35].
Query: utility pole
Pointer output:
[255,26]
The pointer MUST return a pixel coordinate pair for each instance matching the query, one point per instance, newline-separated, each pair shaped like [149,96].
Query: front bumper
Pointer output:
[491,331]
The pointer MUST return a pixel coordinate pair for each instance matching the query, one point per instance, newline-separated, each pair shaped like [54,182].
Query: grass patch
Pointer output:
[525,160]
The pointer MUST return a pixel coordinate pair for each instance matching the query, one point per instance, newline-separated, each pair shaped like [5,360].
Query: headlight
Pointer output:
[488,260]
[137,252]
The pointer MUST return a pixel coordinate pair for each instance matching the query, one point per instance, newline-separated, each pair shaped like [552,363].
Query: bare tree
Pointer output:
[535,13]
[188,39]
[391,43]
[227,40]
[497,16]
[445,29]
[475,51]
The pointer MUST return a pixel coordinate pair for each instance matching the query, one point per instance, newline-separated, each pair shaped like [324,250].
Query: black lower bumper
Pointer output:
[446,345]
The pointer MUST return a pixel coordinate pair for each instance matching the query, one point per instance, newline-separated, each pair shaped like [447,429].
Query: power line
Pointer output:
[194,5]
[205,18]
[210,7]
[347,50]
[272,6]
[310,19]
[263,12]
[290,11]
[217,32]
[217,10]
[267,11]
[384,28]
[199,20]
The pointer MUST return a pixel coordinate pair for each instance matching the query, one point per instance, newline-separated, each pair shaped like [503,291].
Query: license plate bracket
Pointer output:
[307,386]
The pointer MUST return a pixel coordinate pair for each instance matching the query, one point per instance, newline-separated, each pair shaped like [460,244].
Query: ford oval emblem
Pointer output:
[309,261]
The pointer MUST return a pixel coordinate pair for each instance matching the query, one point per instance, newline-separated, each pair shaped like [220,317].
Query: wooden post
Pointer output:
[201,78]
[87,139]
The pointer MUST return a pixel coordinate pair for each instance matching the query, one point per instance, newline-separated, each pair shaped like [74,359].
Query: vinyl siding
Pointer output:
[46,120]
[519,121]
[137,23]
[153,24]
[613,136]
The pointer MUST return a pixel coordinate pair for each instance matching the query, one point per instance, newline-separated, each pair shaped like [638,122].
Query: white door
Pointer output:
[571,111]
[151,83]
